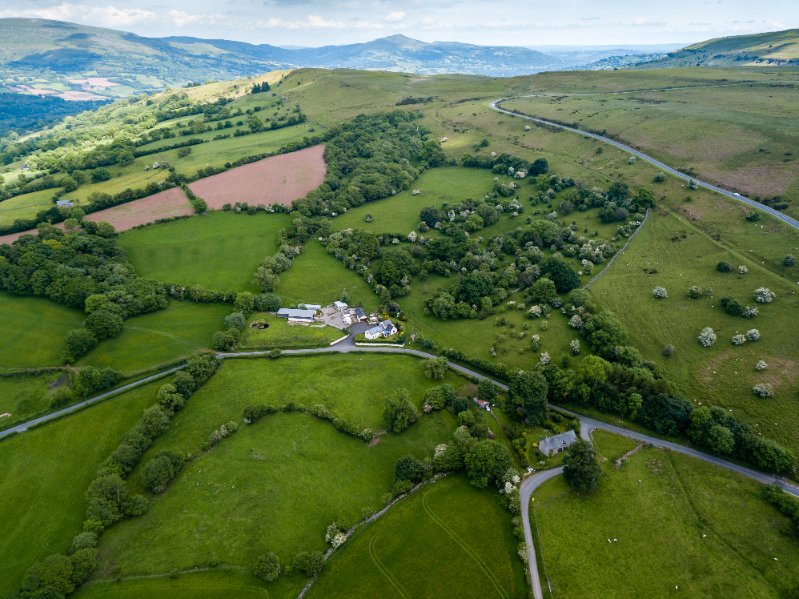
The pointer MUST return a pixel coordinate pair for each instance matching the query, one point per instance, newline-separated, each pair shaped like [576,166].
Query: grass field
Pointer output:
[22,397]
[400,214]
[35,330]
[25,206]
[447,540]
[220,250]
[724,374]
[741,136]
[676,525]
[282,334]
[237,500]
[316,277]
[44,474]
[160,337]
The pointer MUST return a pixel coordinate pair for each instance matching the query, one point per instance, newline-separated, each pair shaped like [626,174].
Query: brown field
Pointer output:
[165,204]
[276,180]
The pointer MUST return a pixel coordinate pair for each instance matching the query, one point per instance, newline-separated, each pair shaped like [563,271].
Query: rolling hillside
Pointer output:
[776,48]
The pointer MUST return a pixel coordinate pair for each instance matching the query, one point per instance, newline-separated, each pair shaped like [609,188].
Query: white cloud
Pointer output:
[397,15]
[108,16]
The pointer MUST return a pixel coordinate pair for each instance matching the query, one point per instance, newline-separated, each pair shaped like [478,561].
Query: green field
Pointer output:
[675,525]
[22,397]
[237,500]
[741,136]
[400,214]
[219,250]
[282,334]
[25,206]
[165,336]
[723,374]
[35,330]
[44,474]
[447,540]
[316,277]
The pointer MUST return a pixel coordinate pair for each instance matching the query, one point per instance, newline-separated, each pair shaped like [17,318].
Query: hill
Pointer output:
[775,48]
[75,62]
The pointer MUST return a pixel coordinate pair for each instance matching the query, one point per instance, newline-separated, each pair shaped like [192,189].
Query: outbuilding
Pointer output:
[557,443]
[296,315]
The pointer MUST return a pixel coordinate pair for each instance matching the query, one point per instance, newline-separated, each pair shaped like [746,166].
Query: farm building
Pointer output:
[309,306]
[64,204]
[557,443]
[340,306]
[295,315]
[384,329]
[359,314]
[482,404]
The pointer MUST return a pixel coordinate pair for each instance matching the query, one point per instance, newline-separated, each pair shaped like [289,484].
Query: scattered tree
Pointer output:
[580,467]
[399,412]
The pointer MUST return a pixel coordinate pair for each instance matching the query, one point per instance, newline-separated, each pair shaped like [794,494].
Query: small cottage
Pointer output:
[384,329]
[557,443]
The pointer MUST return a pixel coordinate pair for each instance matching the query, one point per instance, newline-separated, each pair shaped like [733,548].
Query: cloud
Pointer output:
[397,15]
[314,22]
[108,16]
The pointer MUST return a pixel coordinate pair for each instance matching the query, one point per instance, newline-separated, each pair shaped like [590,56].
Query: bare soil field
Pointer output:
[165,204]
[276,180]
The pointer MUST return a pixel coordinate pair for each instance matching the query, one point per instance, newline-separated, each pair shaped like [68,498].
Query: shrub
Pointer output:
[732,306]
[574,346]
[409,468]
[309,563]
[235,320]
[763,390]
[694,292]
[742,269]
[399,412]
[753,334]
[788,261]
[160,470]
[764,295]
[79,342]
[222,432]
[738,339]
[749,312]
[724,267]
[84,540]
[267,567]
[761,365]
[580,468]
[668,351]
[707,337]
[660,293]
[435,368]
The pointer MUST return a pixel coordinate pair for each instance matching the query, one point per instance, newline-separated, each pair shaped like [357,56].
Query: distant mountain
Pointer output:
[777,48]
[76,62]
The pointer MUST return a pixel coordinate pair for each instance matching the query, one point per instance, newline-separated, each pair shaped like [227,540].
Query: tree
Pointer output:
[543,291]
[436,368]
[430,215]
[563,275]
[580,468]
[528,390]
[79,342]
[721,439]
[618,192]
[399,412]
[473,286]
[160,470]
[487,462]
[539,167]
[409,468]
[99,175]
[487,391]
[309,563]
[267,567]
[104,324]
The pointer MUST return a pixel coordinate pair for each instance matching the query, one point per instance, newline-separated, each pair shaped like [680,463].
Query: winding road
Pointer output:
[496,105]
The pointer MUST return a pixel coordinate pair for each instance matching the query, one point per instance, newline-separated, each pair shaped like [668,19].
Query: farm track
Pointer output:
[496,106]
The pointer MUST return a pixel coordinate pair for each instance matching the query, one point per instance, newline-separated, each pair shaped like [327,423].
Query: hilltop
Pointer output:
[775,48]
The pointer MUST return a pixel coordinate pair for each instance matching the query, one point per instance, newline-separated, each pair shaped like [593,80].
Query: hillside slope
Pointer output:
[775,48]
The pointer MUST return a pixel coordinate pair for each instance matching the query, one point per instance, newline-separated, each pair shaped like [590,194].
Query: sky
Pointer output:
[487,22]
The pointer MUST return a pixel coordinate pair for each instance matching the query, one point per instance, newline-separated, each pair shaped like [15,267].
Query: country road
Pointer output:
[496,105]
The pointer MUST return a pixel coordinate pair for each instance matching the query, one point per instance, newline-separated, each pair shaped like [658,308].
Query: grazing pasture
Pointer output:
[170,203]
[277,180]
[219,250]
[400,213]
[282,334]
[672,253]
[662,524]
[165,336]
[44,474]
[317,277]
[26,205]
[448,539]
[34,331]
[23,397]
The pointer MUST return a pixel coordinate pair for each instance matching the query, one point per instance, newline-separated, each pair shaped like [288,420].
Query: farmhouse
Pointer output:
[295,315]
[64,204]
[384,329]
[557,443]
[482,404]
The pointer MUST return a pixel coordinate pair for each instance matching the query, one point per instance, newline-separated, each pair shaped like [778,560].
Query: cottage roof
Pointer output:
[339,305]
[386,325]
[554,442]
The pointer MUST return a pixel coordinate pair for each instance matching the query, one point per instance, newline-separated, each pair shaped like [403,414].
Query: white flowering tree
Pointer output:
[660,293]
[764,295]
[749,312]
[576,322]
[753,334]
[574,346]
[742,269]
[707,337]
[763,390]
[738,339]
[761,365]
[545,358]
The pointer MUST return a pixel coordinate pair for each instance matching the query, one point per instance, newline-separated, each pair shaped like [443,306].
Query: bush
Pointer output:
[668,351]
[436,368]
[267,567]
[253,414]
[84,540]
[724,267]
[487,462]
[159,471]
[580,468]
[309,563]
[660,293]
[707,337]
[399,412]
[732,306]
[694,292]
[761,365]
[763,390]
[409,468]
[753,335]
[764,295]
[738,339]
[79,342]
